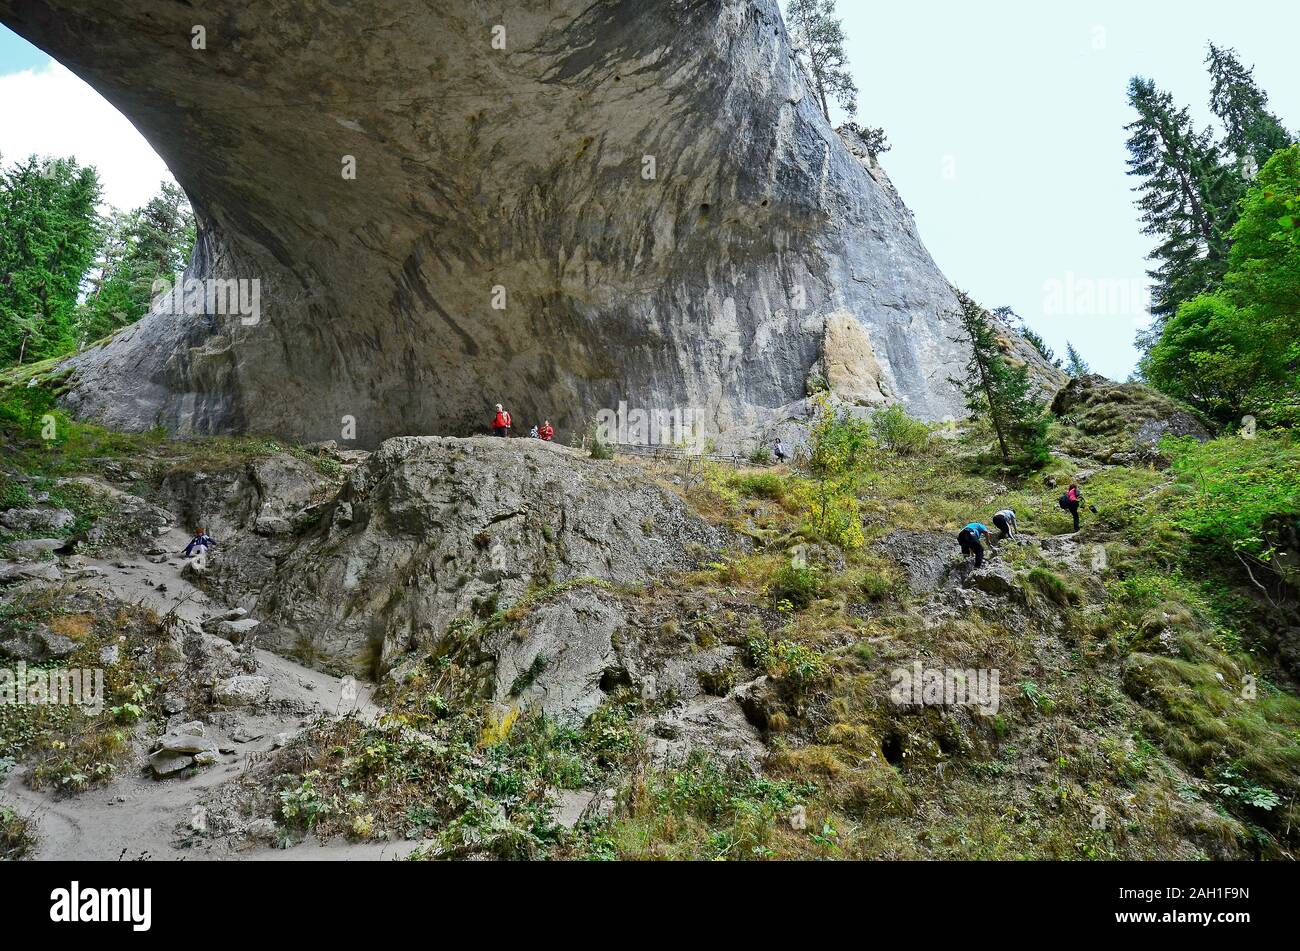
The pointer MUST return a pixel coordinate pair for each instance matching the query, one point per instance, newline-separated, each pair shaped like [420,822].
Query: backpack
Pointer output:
[1064,501]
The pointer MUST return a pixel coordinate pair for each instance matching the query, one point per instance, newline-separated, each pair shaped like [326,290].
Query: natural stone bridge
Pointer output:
[556,205]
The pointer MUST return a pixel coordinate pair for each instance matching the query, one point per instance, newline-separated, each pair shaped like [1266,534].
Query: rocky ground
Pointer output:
[473,647]
[258,702]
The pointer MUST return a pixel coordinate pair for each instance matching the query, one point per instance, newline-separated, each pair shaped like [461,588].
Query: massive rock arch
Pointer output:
[712,284]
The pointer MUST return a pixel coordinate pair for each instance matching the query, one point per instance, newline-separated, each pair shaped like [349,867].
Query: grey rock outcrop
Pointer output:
[37,519]
[446,530]
[37,645]
[13,572]
[561,659]
[242,691]
[1124,421]
[646,188]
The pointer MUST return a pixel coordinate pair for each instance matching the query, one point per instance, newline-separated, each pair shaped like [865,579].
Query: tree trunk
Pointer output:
[993,409]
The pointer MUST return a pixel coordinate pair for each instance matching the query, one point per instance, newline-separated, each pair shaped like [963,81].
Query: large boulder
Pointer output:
[1120,422]
[12,572]
[267,490]
[37,645]
[37,519]
[443,531]
[242,691]
[563,660]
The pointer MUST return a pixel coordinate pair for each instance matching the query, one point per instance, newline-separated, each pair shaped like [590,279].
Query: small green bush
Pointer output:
[800,586]
[760,485]
[17,835]
[899,432]
[875,585]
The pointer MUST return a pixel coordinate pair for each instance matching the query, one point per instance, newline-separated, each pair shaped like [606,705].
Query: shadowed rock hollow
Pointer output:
[762,249]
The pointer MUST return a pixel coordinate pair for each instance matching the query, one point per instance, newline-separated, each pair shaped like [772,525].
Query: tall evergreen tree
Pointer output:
[139,247]
[1251,131]
[165,233]
[1186,199]
[49,229]
[1000,392]
[819,43]
[1075,365]
[1237,350]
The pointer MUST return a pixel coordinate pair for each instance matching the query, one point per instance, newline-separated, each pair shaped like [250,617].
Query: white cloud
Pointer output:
[49,111]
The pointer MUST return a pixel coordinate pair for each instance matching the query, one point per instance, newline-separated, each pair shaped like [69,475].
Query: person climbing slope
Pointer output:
[201,540]
[970,539]
[501,422]
[1005,522]
[1070,502]
[547,432]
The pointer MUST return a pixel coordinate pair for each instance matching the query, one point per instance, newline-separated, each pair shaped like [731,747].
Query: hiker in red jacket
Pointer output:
[501,423]
[1072,499]
[546,433]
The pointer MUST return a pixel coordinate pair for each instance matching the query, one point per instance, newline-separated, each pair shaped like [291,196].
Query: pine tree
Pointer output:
[873,140]
[49,230]
[1251,131]
[1075,365]
[165,233]
[139,247]
[999,391]
[1186,198]
[819,42]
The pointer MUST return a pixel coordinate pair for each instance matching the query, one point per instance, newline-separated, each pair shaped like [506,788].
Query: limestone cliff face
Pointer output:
[427,532]
[646,186]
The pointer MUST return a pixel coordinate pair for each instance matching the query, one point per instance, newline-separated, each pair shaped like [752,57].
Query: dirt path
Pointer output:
[137,817]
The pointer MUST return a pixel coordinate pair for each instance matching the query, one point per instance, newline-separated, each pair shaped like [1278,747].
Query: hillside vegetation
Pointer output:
[1145,708]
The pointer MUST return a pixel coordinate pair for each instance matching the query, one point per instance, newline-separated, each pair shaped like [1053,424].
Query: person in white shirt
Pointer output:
[1005,522]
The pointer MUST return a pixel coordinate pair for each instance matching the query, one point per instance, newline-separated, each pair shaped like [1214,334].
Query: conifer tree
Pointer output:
[819,43]
[1000,392]
[1186,198]
[1011,318]
[49,230]
[139,247]
[1251,131]
[1075,365]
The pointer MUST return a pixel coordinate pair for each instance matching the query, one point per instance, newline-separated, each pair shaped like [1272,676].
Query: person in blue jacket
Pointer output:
[971,539]
[201,542]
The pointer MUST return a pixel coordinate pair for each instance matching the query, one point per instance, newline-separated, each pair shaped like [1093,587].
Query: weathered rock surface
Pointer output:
[924,557]
[563,656]
[521,175]
[13,572]
[37,519]
[447,529]
[242,691]
[37,645]
[34,547]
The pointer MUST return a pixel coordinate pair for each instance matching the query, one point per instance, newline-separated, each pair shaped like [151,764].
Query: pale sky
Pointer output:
[45,109]
[1007,125]
[1006,121]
